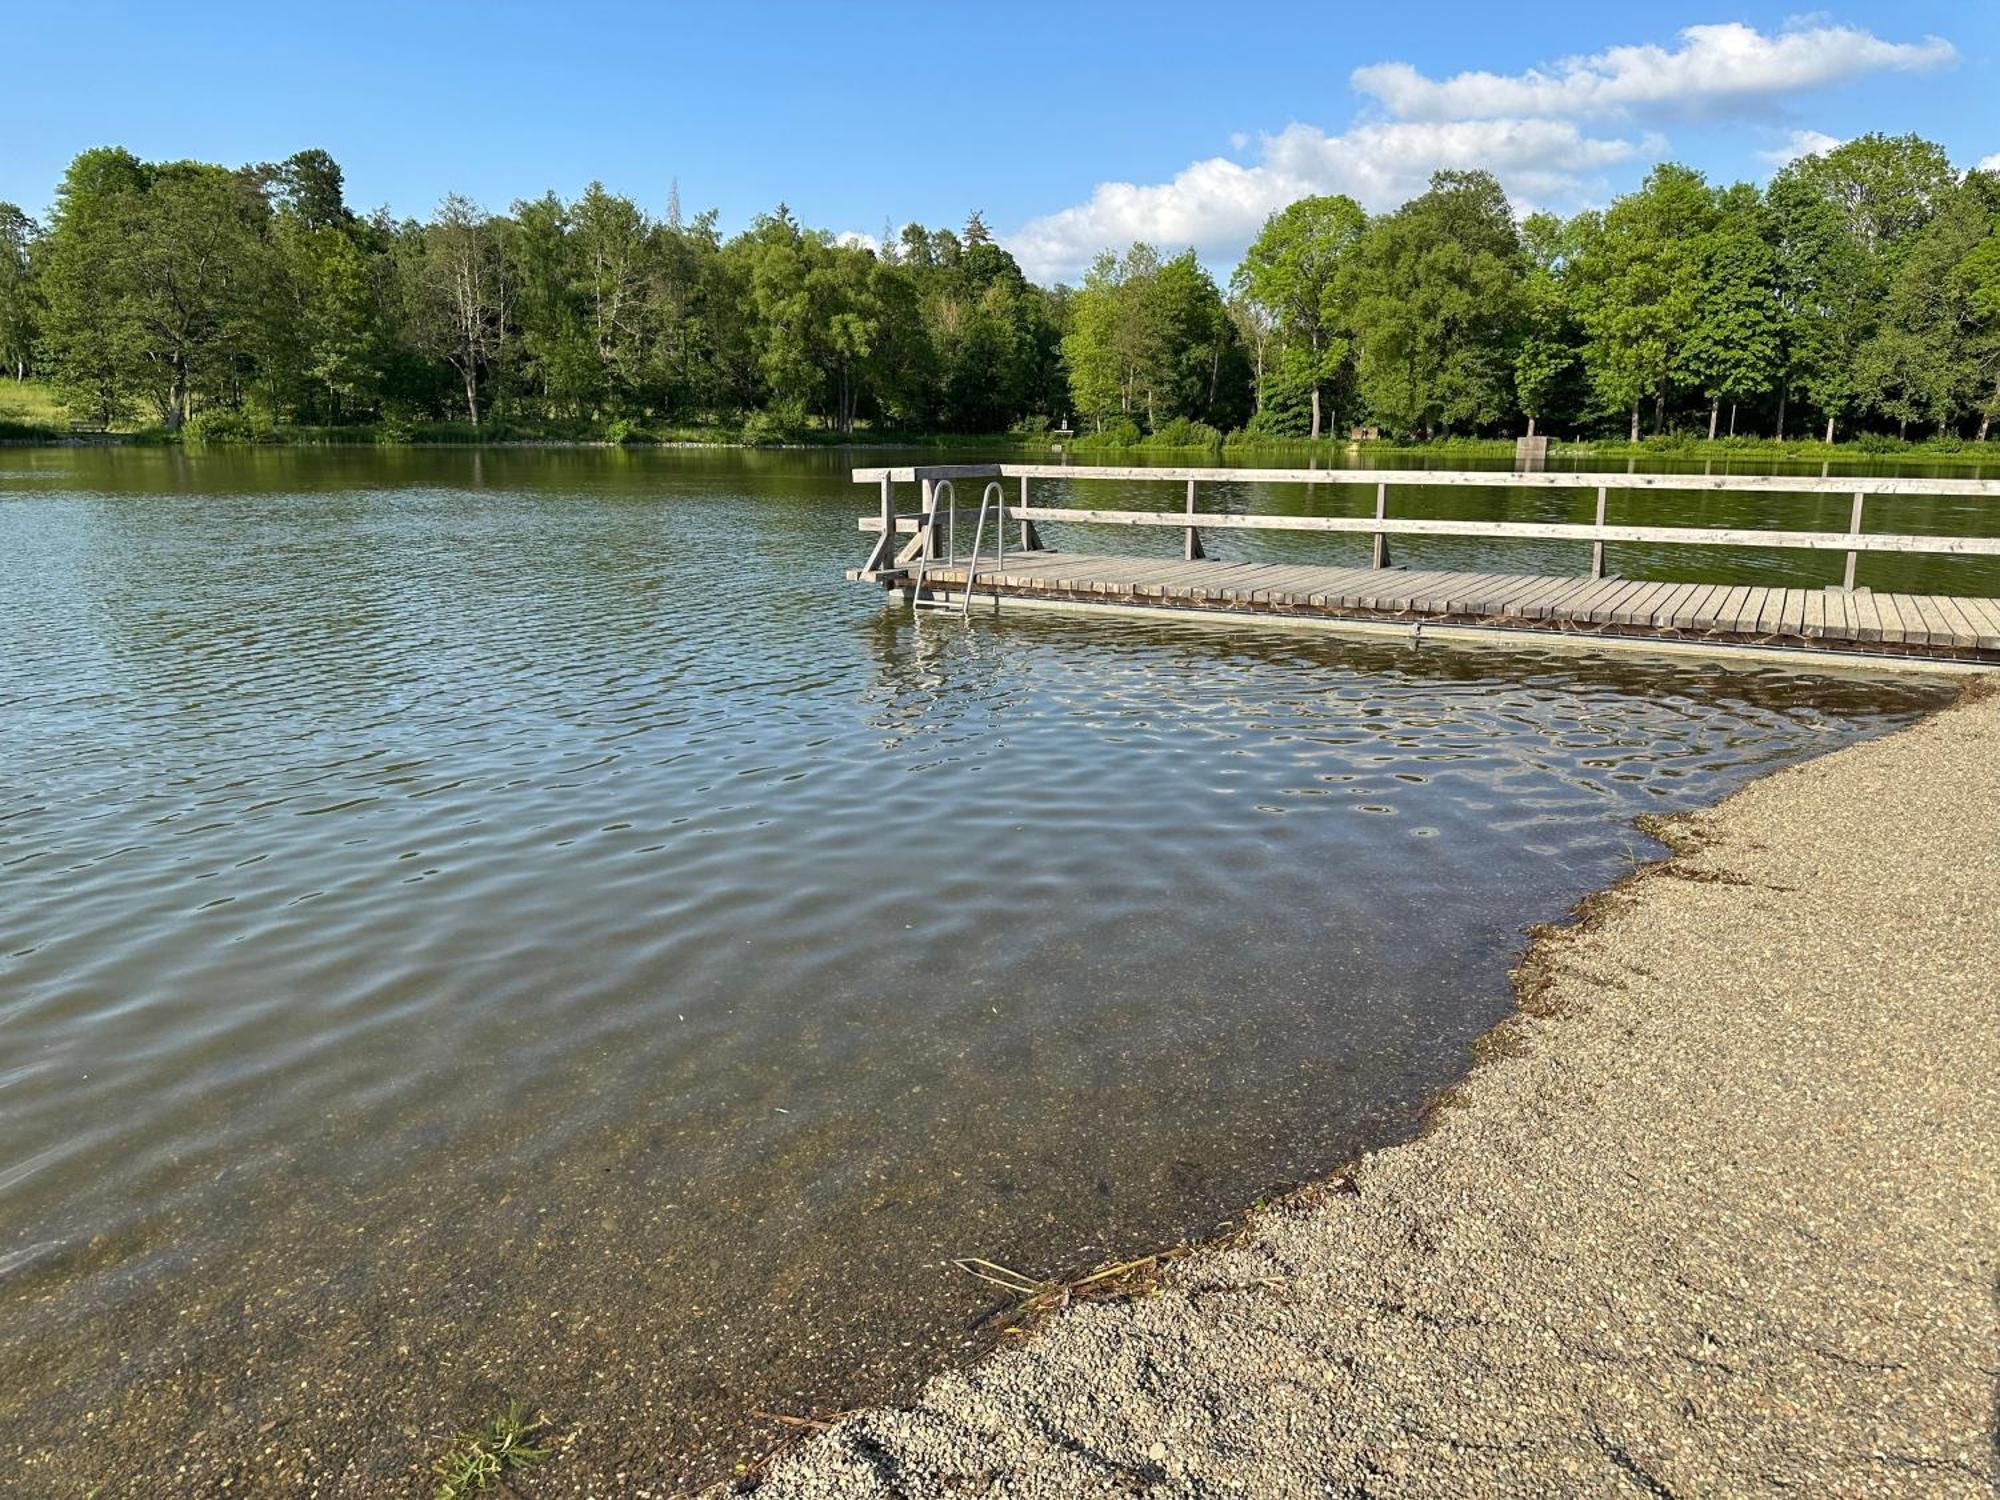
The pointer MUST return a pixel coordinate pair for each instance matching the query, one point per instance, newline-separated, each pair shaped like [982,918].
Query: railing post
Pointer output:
[886,553]
[1031,539]
[1193,550]
[928,524]
[1597,547]
[1380,556]
[1853,529]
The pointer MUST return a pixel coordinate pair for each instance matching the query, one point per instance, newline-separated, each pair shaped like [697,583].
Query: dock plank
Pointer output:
[1984,615]
[1686,611]
[1330,590]
[1864,618]
[1557,602]
[1953,621]
[1895,625]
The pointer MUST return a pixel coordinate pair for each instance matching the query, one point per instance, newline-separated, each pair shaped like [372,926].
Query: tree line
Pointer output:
[1859,289]
[181,290]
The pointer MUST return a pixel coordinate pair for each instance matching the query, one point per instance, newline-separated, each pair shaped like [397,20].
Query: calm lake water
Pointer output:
[516,924]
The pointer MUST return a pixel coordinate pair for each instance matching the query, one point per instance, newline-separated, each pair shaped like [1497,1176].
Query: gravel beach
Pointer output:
[1717,1215]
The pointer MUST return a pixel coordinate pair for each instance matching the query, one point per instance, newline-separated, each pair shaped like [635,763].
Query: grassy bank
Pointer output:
[29,409]
[34,412]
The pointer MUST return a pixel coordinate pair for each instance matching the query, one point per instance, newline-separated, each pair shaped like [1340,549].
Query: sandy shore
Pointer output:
[1718,1215]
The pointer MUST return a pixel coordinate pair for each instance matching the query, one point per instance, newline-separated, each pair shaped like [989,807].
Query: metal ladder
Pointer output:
[943,488]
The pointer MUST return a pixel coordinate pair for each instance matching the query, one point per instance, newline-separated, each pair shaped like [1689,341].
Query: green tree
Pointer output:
[821,315]
[692,324]
[1731,353]
[319,343]
[558,357]
[1922,364]
[1434,292]
[458,294]
[19,295]
[1207,377]
[154,282]
[1638,279]
[1291,271]
[1151,338]
[1257,333]
[1978,284]
[1113,348]
[83,330]
[1885,188]
[1823,307]
[612,254]
[1545,351]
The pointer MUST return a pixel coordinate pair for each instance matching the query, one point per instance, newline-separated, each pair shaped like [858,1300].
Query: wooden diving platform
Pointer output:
[937,564]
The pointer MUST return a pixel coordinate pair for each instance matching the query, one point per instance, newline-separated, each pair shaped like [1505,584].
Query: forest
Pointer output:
[1858,292]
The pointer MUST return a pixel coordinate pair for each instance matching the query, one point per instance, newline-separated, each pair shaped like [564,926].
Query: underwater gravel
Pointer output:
[1717,1214]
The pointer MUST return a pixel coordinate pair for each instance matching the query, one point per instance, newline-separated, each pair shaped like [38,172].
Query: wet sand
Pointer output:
[1716,1214]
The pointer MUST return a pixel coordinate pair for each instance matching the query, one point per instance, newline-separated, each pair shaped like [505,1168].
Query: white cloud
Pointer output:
[1990,163]
[1218,205]
[1800,143]
[856,238]
[1725,65]
[1522,127]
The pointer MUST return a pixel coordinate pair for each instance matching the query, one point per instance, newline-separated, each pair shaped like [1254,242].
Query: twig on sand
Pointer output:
[1123,1280]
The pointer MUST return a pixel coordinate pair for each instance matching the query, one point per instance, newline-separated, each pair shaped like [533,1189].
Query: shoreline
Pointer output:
[1576,1278]
[1971,454]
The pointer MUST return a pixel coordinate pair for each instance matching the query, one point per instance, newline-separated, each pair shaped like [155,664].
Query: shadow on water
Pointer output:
[516,925]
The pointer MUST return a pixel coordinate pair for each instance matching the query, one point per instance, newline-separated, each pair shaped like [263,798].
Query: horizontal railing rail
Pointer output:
[1381,525]
[1683,536]
[1798,484]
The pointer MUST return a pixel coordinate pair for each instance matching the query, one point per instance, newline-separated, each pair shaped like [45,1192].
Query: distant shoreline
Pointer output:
[1866,448]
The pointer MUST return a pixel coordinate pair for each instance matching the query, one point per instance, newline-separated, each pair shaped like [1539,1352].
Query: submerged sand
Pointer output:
[1717,1216]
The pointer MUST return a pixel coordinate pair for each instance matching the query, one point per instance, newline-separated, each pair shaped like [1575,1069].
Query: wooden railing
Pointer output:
[927,525]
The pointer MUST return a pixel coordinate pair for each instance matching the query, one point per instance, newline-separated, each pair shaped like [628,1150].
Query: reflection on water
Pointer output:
[517,925]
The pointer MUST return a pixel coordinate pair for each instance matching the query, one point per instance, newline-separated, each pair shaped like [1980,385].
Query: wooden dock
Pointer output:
[940,560]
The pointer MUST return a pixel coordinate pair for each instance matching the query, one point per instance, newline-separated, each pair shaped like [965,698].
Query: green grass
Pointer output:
[28,408]
[481,1456]
[245,427]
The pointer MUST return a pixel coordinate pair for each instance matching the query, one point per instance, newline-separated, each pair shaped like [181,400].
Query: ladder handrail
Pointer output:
[978,534]
[924,533]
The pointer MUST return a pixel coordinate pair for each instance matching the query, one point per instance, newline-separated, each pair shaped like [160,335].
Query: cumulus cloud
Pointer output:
[857,239]
[1532,130]
[1725,65]
[1218,205]
[1800,143]
[1990,163]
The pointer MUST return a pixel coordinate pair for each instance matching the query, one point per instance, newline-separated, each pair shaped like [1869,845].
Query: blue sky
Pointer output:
[1069,126]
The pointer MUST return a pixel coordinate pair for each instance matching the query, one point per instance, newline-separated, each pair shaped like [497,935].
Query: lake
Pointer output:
[515,924]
